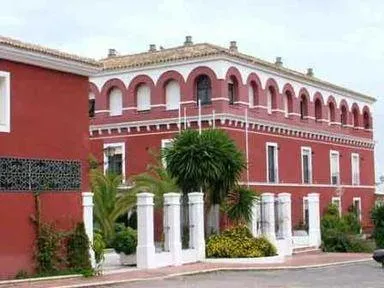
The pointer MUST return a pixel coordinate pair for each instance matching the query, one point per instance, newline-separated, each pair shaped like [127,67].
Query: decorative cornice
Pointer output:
[47,61]
[236,121]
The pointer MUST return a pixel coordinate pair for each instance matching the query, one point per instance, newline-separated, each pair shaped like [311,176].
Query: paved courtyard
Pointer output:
[365,274]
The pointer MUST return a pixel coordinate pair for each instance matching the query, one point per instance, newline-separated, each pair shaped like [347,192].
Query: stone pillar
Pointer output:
[173,235]
[256,221]
[268,214]
[314,220]
[286,224]
[145,251]
[88,222]
[196,224]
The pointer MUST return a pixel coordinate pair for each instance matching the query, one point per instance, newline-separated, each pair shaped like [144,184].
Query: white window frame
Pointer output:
[115,145]
[273,144]
[251,96]
[308,150]
[334,152]
[5,101]
[355,169]
[360,216]
[337,199]
[269,101]
[164,143]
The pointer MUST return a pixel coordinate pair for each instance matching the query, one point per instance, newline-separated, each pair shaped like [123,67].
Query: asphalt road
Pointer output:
[364,275]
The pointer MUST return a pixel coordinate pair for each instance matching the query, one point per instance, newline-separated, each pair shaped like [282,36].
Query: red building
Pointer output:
[300,134]
[44,145]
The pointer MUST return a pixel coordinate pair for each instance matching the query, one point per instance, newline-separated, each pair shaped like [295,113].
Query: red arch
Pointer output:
[344,103]
[163,81]
[253,78]
[318,96]
[234,72]
[107,87]
[201,70]
[272,83]
[344,117]
[331,102]
[138,80]
[331,99]
[355,114]
[367,118]
[288,88]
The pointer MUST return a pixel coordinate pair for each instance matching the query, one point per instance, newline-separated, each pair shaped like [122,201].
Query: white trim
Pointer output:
[337,199]
[308,150]
[337,169]
[275,145]
[115,144]
[355,170]
[5,109]
[359,208]
[305,201]
[47,61]
[102,111]
[288,184]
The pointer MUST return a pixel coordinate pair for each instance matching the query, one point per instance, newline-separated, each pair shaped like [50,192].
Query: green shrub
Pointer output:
[78,250]
[238,242]
[125,241]
[377,216]
[341,233]
[98,247]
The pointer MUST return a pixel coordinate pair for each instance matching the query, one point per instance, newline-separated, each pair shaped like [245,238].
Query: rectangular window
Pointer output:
[91,108]
[357,207]
[305,211]
[114,161]
[165,143]
[355,163]
[272,163]
[335,167]
[337,201]
[231,93]
[306,164]
[5,102]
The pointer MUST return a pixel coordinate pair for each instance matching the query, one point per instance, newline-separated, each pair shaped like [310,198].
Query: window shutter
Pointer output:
[143,98]
[115,102]
[172,95]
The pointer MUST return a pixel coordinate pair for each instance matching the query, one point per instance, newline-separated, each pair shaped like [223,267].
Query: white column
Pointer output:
[286,223]
[145,251]
[172,204]
[314,220]
[268,213]
[88,222]
[255,221]
[196,222]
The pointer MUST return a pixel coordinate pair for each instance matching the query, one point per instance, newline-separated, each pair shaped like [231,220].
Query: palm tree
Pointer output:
[210,162]
[238,205]
[110,202]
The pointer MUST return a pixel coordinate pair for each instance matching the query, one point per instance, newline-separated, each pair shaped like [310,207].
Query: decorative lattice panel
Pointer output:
[38,175]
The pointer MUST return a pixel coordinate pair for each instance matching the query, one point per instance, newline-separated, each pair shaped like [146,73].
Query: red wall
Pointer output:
[48,121]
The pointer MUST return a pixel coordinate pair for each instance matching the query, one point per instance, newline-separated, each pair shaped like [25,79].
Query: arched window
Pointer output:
[367,122]
[172,95]
[253,94]
[115,102]
[271,99]
[233,88]
[303,107]
[344,115]
[331,112]
[355,115]
[203,89]
[318,110]
[91,105]
[287,99]
[143,96]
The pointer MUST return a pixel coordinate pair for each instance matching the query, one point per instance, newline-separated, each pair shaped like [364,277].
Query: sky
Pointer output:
[342,40]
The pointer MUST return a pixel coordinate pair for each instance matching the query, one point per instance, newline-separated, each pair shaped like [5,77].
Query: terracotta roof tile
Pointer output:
[205,50]
[5,41]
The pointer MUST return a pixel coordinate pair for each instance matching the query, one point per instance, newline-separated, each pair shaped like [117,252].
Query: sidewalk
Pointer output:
[299,261]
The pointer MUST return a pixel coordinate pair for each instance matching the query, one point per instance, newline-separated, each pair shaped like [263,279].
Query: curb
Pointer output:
[218,269]
[38,279]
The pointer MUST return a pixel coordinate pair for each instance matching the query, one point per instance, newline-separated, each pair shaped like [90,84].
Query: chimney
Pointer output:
[152,48]
[188,41]
[112,52]
[310,72]
[233,46]
[279,62]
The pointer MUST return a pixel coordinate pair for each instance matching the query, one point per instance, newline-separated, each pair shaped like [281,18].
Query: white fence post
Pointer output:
[286,224]
[314,220]
[268,214]
[172,202]
[145,251]
[88,222]
[196,224]
[255,221]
